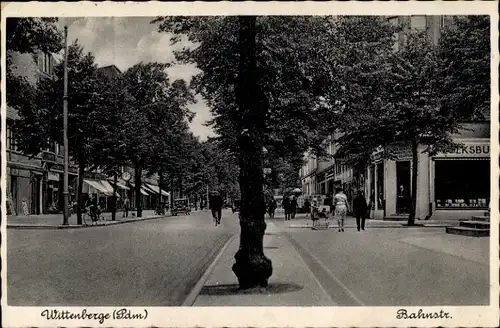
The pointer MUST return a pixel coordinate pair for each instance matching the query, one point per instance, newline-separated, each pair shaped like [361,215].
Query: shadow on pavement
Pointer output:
[234,289]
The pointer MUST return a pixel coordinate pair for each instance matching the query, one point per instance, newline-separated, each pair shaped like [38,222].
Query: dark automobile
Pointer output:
[181,205]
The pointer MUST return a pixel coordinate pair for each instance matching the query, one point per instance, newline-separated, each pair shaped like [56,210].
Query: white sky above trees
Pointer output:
[126,41]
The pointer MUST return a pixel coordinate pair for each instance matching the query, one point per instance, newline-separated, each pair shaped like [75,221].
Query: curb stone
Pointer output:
[193,295]
[373,227]
[82,226]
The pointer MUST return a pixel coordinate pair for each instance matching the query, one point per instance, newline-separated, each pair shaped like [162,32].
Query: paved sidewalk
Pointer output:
[472,249]
[54,221]
[292,282]
[350,222]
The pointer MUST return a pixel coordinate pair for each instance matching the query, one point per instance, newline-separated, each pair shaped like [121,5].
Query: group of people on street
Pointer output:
[339,207]
[290,205]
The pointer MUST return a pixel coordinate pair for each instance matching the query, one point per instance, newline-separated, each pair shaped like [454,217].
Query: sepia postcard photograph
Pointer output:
[250,164]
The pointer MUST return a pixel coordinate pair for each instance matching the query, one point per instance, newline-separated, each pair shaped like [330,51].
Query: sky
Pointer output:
[126,41]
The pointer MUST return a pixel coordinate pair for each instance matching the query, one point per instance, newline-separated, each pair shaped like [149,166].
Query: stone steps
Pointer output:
[479,226]
[396,217]
[482,218]
[468,231]
[475,224]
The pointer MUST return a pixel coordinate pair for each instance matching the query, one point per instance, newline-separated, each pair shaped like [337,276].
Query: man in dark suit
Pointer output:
[360,210]
[215,204]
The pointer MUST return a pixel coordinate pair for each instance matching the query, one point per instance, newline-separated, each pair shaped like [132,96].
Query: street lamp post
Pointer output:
[65,129]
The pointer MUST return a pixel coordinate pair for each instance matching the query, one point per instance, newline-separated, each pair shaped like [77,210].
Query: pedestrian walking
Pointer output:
[360,210]
[126,205]
[307,207]
[286,207]
[341,204]
[293,207]
[271,207]
[215,204]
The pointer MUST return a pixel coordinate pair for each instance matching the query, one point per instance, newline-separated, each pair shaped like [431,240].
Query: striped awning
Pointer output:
[156,189]
[119,185]
[108,187]
[143,190]
[98,186]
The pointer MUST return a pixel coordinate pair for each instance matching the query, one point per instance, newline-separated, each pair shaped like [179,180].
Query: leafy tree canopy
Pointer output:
[286,55]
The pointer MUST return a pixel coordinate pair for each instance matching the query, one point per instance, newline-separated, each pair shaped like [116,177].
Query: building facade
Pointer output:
[449,185]
[34,183]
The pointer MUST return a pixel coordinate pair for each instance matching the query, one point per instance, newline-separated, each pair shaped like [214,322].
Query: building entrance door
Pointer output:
[35,195]
[403,178]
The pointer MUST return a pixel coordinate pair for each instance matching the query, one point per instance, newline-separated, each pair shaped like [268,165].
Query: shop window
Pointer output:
[462,183]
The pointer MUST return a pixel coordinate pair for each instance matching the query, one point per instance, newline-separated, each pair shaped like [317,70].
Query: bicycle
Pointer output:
[91,219]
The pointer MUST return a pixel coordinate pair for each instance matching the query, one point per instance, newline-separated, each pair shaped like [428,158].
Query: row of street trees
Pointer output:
[281,83]
[288,83]
[137,119]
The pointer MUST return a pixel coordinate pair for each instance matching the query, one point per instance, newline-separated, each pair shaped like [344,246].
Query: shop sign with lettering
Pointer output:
[469,150]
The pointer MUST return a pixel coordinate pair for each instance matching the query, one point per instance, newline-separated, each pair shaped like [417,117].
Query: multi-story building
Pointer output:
[34,183]
[443,190]
[329,172]
[308,175]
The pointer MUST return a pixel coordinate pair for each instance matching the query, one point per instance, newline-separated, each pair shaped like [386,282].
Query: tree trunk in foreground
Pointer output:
[252,267]
[414,175]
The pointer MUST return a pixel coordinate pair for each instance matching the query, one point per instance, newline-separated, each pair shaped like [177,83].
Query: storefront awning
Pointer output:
[108,187]
[96,185]
[149,189]
[120,185]
[156,189]
[143,190]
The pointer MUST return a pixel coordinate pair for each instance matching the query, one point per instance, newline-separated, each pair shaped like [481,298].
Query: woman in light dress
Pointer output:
[341,206]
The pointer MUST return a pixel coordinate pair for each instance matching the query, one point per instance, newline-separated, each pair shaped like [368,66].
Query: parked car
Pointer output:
[181,205]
